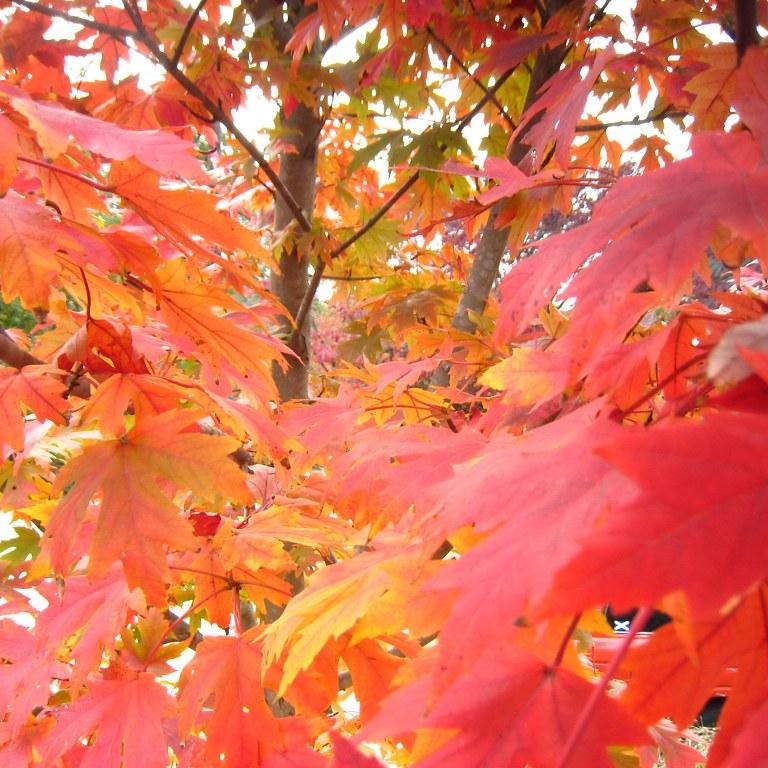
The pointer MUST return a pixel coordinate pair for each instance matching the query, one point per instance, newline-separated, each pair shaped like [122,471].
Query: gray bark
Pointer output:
[493,241]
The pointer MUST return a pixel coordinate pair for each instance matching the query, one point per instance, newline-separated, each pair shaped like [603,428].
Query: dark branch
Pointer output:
[218,114]
[479,83]
[98,26]
[377,217]
[352,278]
[309,295]
[665,113]
[179,52]
[13,355]
[467,119]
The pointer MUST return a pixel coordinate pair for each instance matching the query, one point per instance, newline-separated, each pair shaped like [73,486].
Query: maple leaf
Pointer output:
[335,600]
[514,710]
[186,217]
[259,543]
[527,376]
[508,54]
[29,240]
[396,510]
[123,717]
[659,236]
[559,108]
[55,126]
[346,756]
[373,668]
[221,689]
[219,563]
[667,531]
[33,386]
[729,362]
[148,395]
[8,142]
[187,306]
[534,517]
[751,97]
[25,677]
[86,620]
[103,347]
[676,671]
[750,748]
[136,518]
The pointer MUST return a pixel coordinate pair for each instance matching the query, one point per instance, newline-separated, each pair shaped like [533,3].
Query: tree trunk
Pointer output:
[298,172]
[493,241]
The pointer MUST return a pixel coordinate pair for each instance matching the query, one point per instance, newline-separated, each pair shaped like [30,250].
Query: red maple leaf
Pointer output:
[122,718]
[512,711]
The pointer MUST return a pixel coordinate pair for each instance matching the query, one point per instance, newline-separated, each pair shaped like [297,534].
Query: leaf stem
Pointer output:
[586,714]
[566,639]
[237,610]
[666,113]
[192,608]
[66,172]
[661,384]
[484,88]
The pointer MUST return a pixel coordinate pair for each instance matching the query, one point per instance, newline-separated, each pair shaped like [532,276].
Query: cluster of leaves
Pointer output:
[409,567]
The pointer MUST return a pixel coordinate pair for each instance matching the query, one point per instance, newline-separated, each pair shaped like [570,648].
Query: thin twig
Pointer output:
[479,83]
[377,217]
[179,620]
[98,26]
[566,639]
[646,397]
[87,295]
[66,172]
[665,113]
[352,278]
[309,294]
[464,121]
[219,114]
[179,51]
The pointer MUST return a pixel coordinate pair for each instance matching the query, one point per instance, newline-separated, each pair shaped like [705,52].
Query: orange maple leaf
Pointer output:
[122,720]
[34,387]
[136,517]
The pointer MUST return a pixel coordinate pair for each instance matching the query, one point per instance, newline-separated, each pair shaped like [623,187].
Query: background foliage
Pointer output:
[256,522]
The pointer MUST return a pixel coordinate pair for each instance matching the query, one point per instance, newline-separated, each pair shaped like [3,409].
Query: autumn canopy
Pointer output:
[355,355]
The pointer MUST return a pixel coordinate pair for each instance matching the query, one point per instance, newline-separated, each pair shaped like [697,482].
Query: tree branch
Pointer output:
[13,355]
[98,26]
[484,88]
[309,296]
[218,114]
[185,33]
[665,113]
[352,278]
[491,92]
[171,67]
[600,689]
